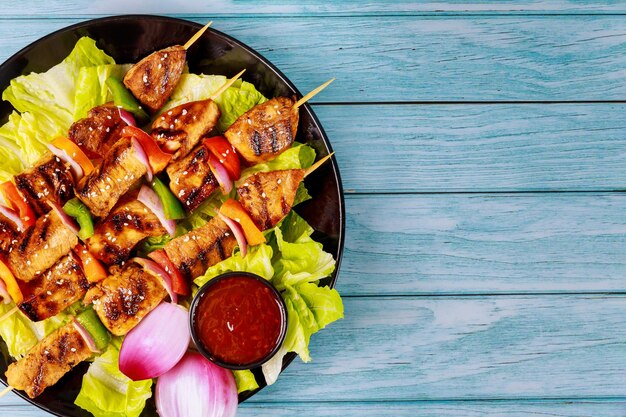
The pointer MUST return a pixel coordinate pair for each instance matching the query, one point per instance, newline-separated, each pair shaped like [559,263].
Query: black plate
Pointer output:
[128,39]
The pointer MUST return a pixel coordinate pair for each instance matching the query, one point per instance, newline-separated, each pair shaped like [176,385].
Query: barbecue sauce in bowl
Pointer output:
[238,320]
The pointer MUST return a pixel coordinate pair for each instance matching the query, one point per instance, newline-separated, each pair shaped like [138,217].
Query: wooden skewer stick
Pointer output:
[6,391]
[196,36]
[8,314]
[226,85]
[317,164]
[312,94]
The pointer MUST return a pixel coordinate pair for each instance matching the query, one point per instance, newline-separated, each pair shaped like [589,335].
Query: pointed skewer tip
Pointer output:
[313,93]
[196,36]
[317,164]
[226,85]
[8,314]
[6,391]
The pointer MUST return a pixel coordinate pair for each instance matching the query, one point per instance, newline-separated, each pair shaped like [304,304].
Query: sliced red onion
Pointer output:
[151,200]
[156,344]
[4,293]
[75,167]
[151,266]
[221,174]
[67,220]
[238,232]
[196,387]
[143,158]
[13,216]
[127,117]
[86,336]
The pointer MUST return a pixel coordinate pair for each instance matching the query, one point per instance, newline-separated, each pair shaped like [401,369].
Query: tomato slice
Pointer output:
[226,154]
[74,152]
[11,283]
[92,268]
[18,203]
[233,210]
[179,283]
[157,158]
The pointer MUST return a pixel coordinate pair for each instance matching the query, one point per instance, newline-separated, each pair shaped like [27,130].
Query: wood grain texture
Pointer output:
[505,147]
[56,8]
[485,58]
[410,409]
[483,244]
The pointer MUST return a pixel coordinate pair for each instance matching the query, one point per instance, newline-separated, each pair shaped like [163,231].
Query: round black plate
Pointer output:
[130,38]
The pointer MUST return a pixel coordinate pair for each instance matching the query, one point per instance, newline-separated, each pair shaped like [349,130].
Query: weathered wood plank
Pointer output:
[450,148]
[61,8]
[407,59]
[464,348]
[415,348]
[483,244]
[409,409]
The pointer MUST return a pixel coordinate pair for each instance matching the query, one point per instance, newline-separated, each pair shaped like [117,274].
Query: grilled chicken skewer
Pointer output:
[153,79]
[98,132]
[48,361]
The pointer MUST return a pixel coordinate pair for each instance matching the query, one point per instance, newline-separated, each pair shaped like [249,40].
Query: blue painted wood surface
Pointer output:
[482,147]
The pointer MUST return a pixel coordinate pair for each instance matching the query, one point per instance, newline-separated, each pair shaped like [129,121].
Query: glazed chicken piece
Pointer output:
[179,129]
[191,179]
[49,180]
[117,234]
[265,131]
[269,196]
[40,246]
[153,79]
[116,174]
[48,361]
[201,248]
[55,290]
[8,234]
[125,297]
[96,133]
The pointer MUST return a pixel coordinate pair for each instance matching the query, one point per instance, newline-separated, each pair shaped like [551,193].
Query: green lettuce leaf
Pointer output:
[152,243]
[299,156]
[46,105]
[91,90]
[309,309]
[245,381]
[106,392]
[258,261]
[235,101]
[302,259]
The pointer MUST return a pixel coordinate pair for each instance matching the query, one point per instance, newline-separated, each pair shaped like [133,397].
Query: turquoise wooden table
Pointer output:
[483,153]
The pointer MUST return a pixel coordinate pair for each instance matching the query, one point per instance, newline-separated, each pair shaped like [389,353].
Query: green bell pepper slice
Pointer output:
[171,206]
[124,99]
[90,321]
[80,212]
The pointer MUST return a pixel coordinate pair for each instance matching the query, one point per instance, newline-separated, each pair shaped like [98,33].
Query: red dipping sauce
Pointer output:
[239,320]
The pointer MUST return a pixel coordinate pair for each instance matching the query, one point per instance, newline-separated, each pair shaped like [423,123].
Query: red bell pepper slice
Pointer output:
[157,158]
[18,203]
[226,154]
[179,283]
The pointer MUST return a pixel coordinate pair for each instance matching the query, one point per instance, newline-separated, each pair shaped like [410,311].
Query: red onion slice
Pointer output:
[86,336]
[127,117]
[4,293]
[151,200]
[155,269]
[75,167]
[67,220]
[238,232]
[156,344]
[142,156]
[13,216]
[221,174]
[196,387]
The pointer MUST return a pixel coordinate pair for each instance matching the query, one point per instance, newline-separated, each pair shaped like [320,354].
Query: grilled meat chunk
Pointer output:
[179,129]
[269,196]
[265,131]
[49,180]
[48,361]
[126,297]
[8,234]
[117,234]
[191,179]
[55,290]
[40,246]
[96,133]
[201,248]
[115,175]
[153,79]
